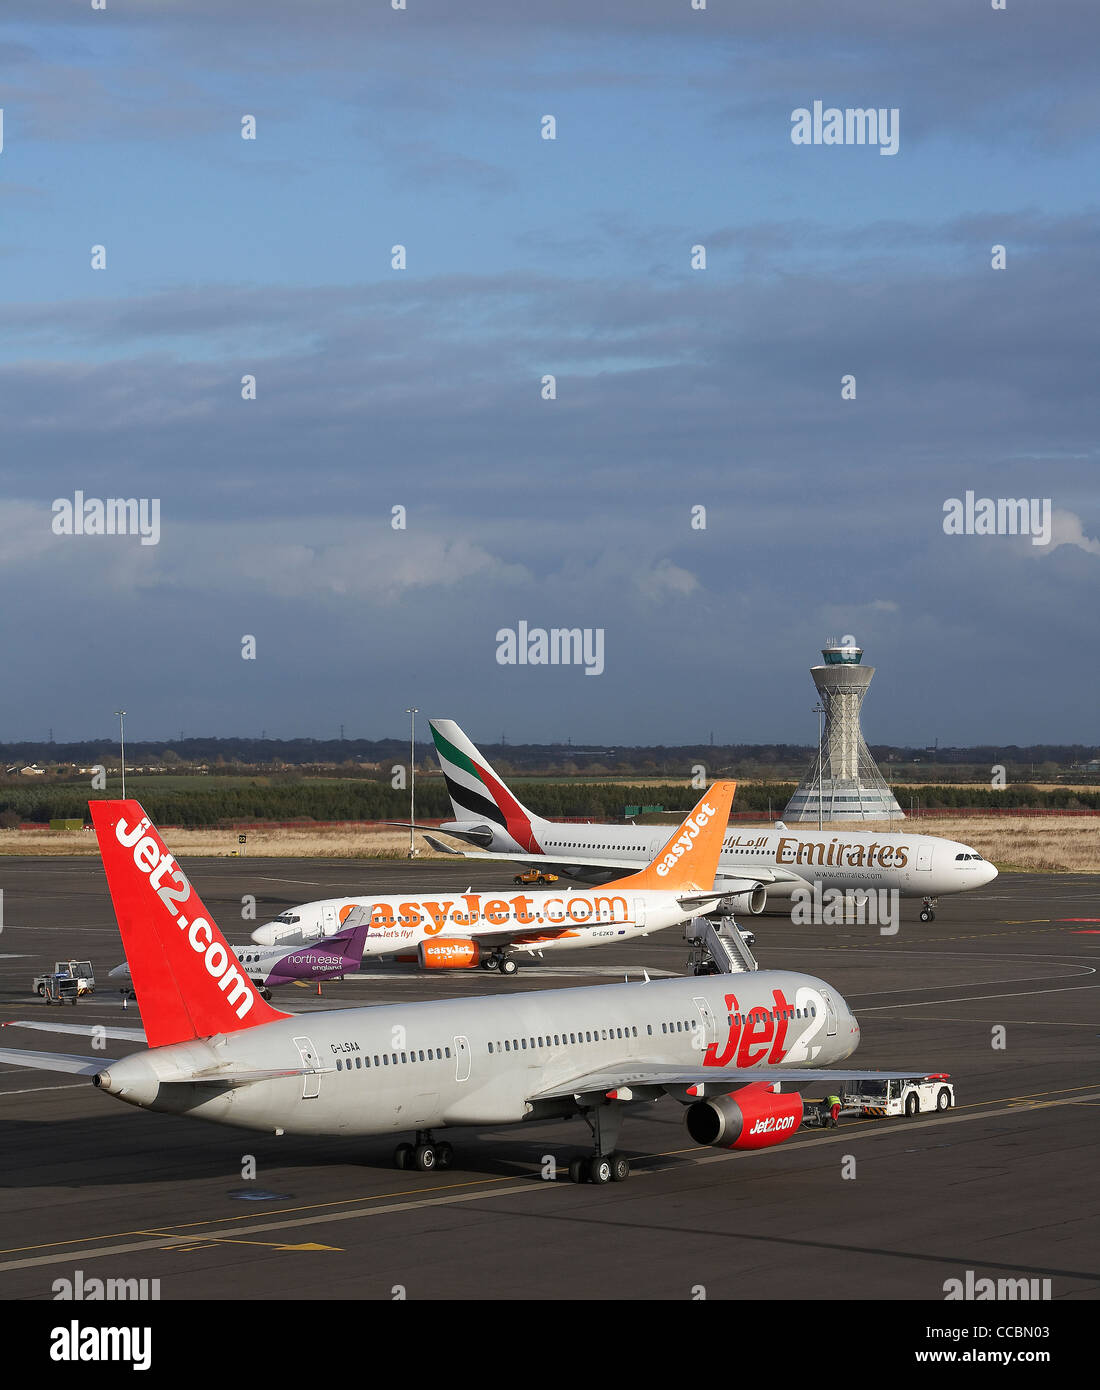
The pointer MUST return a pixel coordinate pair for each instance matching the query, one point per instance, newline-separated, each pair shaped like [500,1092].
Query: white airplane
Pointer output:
[340,954]
[217,1051]
[756,866]
[464,930]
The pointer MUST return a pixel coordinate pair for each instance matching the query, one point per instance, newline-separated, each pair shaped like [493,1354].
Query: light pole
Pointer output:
[819,710]
[412,780]
[122,740]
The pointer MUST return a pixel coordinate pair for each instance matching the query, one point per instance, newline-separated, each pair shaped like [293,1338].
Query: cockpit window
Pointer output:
[287,918]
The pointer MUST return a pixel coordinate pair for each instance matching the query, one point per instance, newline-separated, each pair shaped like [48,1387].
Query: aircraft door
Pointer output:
[639,912]
[706,1035]
[462,1058]
[311,1082]
[924,857]
[830,1015]
[329,923]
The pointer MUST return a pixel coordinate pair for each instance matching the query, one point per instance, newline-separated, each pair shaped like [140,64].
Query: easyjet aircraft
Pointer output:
[491,929]
[756,865]
[217,1051]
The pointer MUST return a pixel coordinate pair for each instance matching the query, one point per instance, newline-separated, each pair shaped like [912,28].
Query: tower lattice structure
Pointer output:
[843,781]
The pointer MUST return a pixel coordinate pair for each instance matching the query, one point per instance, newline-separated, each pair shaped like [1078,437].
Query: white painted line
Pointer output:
[529,1187]
[967,998]
[31,1090]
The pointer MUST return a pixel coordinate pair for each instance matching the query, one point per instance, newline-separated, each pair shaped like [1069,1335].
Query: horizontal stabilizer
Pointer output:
[441,848]
[237,1076]
[54,1061]
[693,901]
[85,1030]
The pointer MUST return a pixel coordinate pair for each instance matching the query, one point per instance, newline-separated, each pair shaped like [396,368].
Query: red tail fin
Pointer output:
[188,982]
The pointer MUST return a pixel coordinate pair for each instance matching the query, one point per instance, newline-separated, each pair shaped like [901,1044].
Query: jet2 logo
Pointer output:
[753,1037]
[154,860]
[685,842]
[773,1124]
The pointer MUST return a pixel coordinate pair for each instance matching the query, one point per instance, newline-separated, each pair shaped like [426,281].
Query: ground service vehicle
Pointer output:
[78,970]
[911,1095]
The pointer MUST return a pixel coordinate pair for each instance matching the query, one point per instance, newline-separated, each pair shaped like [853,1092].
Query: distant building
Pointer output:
[843,782]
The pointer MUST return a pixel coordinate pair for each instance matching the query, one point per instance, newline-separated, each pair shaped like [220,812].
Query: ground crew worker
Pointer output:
[833,1102]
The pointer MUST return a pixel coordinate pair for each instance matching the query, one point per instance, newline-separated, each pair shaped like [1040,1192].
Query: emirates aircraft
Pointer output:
[756,866]
[492,930]
[215,1050]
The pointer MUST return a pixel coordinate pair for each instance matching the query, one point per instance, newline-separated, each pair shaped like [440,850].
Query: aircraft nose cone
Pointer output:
[265,936]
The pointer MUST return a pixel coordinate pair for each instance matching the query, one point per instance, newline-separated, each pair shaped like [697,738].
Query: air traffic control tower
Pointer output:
[843,784]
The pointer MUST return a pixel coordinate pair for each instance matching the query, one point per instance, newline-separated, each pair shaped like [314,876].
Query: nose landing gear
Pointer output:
[926,913]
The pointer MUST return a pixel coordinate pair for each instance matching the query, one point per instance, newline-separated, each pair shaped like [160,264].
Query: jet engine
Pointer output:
[753,1117]
[751,901]
[448,953]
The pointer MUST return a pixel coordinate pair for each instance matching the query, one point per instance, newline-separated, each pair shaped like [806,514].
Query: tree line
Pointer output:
[214,805]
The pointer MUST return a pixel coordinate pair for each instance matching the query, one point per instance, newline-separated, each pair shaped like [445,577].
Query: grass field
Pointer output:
[1057,844]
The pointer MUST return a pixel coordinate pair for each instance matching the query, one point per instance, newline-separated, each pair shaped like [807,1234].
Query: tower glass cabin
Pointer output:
[843,780]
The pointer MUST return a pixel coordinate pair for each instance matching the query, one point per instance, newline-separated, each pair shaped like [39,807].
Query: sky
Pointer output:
[678,387]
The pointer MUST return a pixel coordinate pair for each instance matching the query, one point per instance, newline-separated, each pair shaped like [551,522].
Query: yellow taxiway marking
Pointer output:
[275,1211]
[417,1199]
[205,1244]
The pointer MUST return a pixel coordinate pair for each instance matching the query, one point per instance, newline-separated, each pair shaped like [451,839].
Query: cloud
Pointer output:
[1067,529]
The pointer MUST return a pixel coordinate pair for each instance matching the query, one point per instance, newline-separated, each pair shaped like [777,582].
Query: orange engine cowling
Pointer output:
[448,953]
[753,1117]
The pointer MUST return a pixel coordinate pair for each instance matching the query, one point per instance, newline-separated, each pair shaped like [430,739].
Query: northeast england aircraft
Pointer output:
[463,930]
[215,1050]
[331,958]
[757,865]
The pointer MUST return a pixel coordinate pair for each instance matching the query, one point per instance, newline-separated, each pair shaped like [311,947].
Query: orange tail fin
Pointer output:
[689,861]
[188,982]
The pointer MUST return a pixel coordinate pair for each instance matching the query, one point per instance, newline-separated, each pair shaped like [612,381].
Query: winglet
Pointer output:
[689,861]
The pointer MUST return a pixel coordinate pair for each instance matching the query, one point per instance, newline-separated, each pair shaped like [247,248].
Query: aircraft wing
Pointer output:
[687,1084]
[729,883]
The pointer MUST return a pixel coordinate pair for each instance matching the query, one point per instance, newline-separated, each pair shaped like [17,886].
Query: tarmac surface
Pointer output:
[1004,1185]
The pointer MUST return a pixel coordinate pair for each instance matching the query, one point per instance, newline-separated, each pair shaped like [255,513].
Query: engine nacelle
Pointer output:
[750,903]
[448,953]
[753,1117]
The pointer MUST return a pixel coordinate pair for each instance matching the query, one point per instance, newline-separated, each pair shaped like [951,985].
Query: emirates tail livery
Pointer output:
[756,865]
[217,1051]
[462,930]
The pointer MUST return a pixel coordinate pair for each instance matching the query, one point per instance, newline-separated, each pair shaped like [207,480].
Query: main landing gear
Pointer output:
[505,964]
[926,913]
[607,1164]
[425,1154]
[613,1167]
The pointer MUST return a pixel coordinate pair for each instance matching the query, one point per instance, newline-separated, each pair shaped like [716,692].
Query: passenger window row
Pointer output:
[396,1059]
[561,1039]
